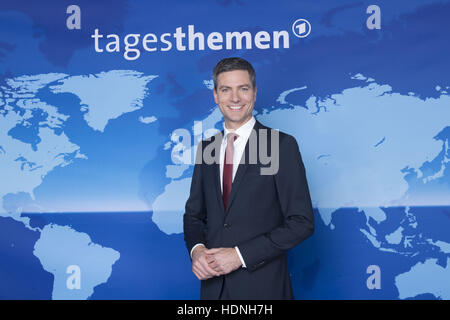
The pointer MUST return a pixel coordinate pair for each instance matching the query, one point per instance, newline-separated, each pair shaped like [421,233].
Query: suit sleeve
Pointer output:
[295,202]
[194,219]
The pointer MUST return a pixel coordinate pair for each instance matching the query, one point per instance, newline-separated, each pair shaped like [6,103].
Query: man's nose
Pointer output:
[235,96]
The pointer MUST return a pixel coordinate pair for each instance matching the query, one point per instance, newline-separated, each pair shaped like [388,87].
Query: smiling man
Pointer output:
[235,94]
[239,220]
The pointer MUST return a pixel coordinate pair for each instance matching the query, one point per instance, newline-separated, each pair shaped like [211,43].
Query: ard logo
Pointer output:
[301,28]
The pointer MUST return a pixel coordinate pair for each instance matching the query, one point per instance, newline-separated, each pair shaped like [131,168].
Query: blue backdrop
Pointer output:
[102,104]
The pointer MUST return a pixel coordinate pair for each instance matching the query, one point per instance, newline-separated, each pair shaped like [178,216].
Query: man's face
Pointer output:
[235,96]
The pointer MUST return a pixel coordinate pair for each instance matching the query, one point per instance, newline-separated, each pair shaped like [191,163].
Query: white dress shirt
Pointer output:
[243,133]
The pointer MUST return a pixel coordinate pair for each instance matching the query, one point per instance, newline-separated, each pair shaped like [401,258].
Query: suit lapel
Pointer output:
[217,184]
[216,171]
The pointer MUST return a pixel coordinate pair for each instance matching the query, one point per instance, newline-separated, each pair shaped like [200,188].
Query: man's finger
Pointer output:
[201,263]
[212,251]
[209,258]
[213,264]
[217,266]
[198,273]
[198,265]
[201,273]
[214,271]
[207,268]
[204,270]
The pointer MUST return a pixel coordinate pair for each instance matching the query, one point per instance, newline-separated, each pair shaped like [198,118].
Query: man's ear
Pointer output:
[215,96]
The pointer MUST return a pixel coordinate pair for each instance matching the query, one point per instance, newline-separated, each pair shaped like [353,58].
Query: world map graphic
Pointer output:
[89,185]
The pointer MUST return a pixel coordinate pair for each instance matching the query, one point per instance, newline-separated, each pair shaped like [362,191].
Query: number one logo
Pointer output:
[301,28]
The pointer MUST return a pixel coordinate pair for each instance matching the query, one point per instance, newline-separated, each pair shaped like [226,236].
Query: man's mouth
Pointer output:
[235,107]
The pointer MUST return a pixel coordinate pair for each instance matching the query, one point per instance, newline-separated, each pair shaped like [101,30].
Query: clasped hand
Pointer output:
[208,263]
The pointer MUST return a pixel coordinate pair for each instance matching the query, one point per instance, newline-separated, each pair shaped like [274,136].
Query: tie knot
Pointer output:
[231,137]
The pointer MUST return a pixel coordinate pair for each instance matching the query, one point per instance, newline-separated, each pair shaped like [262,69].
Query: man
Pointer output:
[242,216]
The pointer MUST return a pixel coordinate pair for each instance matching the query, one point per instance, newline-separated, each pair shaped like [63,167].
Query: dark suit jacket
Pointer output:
[266,215]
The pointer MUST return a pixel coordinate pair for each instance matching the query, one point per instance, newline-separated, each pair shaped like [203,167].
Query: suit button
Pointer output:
[226,225]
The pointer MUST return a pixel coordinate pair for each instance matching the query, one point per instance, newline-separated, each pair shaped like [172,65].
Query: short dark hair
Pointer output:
[231,64]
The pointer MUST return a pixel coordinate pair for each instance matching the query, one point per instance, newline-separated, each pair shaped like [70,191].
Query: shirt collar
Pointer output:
[243,131]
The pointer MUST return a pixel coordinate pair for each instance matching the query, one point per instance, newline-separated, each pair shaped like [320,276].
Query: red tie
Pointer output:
[228,168]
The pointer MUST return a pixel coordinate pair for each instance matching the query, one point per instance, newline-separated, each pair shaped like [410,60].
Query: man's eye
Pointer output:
[224,90]
[244,89]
